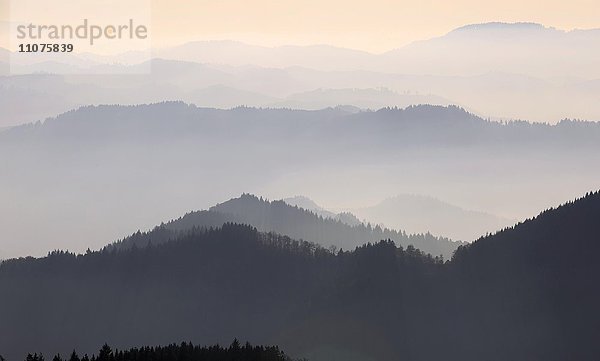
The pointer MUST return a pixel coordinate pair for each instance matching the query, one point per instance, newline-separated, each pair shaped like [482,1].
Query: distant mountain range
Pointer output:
[418,213]
[518,48]
[505,71]
[31,98]
[321,57]
[535,281]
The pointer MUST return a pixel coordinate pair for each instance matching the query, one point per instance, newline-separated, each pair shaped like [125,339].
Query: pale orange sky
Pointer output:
[374,25]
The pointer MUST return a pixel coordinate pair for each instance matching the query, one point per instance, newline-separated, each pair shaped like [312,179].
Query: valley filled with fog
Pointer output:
[93,175]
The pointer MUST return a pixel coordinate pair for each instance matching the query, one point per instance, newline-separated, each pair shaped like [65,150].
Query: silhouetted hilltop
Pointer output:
[534,282]
[295,222]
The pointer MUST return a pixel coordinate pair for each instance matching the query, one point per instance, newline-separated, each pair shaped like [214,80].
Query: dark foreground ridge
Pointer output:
[184,351]
[527,293]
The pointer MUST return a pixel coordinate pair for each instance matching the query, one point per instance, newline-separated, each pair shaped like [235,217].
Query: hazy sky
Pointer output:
[375,25]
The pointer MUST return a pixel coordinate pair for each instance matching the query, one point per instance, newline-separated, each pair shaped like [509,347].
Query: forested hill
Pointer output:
[541,278]
[569,233]
[211,286]
[292,221]
[527,293]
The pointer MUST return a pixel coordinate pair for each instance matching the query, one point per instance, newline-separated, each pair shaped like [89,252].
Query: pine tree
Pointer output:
[105,353]
[74,356]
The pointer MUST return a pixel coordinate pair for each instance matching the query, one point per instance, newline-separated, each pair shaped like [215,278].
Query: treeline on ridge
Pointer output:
[178,352]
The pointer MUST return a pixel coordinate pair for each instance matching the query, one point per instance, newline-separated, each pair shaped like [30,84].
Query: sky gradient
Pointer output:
[375,26]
